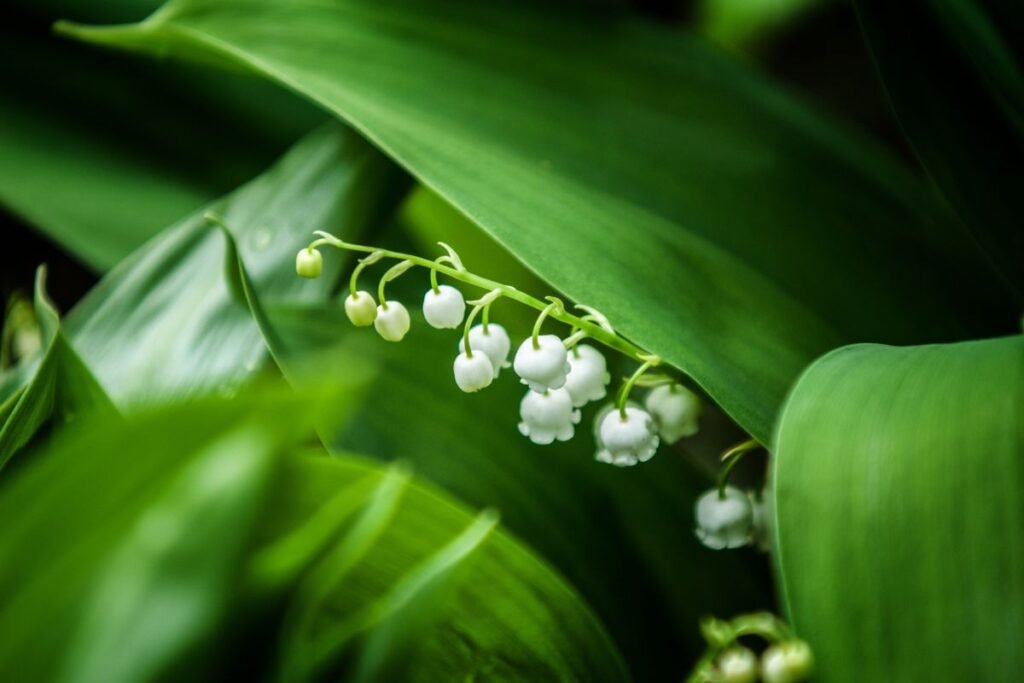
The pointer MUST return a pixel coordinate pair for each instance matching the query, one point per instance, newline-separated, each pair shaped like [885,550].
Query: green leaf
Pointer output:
[603,527]
[168,580]
[135,146]
[898,481]
[504,615]
[58,389]
[171,321]
[958,91]
[717,222]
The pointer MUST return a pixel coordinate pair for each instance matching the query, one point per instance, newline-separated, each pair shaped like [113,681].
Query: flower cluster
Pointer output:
[785,660]
[561,375]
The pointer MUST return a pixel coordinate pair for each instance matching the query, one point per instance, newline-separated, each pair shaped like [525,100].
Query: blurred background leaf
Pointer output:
[54,387]
[100,153]
[507,615]
[898,479]
[953,72]
[608,155]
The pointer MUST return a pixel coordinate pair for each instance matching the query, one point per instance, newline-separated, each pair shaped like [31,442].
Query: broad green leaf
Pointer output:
[204,470]
[898,485]
[168,580]
[101,152]
[604,528]
[716,221]
[958,92]
[170,321]
[506,615]
[57,388]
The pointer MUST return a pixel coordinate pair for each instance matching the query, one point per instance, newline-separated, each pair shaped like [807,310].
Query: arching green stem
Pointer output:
[649,362]
[392,273]
[363,263]
[730,458]
[594,331]
[481,304]
[548,310]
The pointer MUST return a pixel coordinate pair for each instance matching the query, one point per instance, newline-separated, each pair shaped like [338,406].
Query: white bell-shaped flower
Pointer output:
[627,440]
[392,322]
[493,340]
[548,416]
[588,375]
[544,367]
[361,309]
[473,373]
[737,665]
[726,520]
[788,662]
[675,409]
[444,308]
[309,263]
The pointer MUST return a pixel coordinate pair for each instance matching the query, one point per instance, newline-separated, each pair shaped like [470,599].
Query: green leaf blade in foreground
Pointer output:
[714,220]
[169,321]
[898,485]
[504,612]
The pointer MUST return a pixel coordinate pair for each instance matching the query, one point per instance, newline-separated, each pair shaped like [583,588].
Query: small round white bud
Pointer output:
[473,373]
[361,309]
[737,665]
[787,662]
[548,416]
[444,308]
[493,340]
[675,410]
[544,367]
[309,263]
[724,520]
[392,322]
[588,375]
[626,440]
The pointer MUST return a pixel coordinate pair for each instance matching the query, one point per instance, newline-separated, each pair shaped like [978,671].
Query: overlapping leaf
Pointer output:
[164,559]
[898,483]
[717,222]
[167,322]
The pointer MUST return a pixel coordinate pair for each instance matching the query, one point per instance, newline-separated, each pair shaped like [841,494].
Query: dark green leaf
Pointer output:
[898,483]
[170,320]
[57,388]
[717,222]
[958,91]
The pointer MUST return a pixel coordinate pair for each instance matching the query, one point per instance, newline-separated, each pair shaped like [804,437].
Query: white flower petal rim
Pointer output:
[627,440]
[548,416]
[392,322]
[588,376]
[445,308]
[473,373]
[361,309]
[544,367]
[724,521]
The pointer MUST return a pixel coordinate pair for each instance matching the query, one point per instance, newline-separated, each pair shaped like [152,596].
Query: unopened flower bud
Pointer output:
[724,520]
[361,309]
[392,322]
[737,665]
[493,340]
[628,439]
[548,416]
[444,308]
[787,662]
[473,373]
[588,375]
[544,367]
[309,263]
[675,410]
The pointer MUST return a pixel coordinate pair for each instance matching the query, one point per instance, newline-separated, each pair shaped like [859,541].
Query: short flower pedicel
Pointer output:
[562,374]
